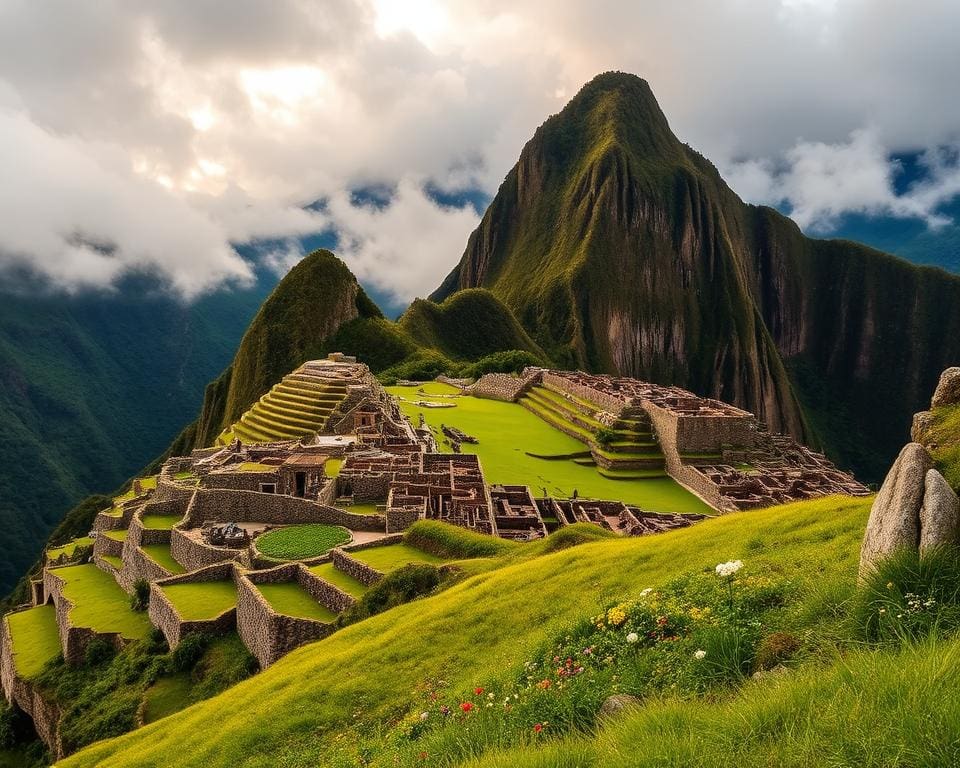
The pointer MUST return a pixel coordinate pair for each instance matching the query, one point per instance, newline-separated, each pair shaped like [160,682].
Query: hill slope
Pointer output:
[620,249]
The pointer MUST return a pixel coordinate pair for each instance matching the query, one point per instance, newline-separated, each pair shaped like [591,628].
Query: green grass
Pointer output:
[363,508]
[392,556]
[255,466]
[166,696]
[99,603]
[69,548]
[328,572]
[119,534]
[116,562]
[35,638]
[146,484]
[451,541]
[201,600]
[495,619]
[331,467]
[160,522]
[290,599]
[505,460]
[160,554]
[299,542]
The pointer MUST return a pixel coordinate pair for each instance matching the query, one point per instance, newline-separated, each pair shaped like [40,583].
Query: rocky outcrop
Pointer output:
[920,429]
[939,514]
[948,389]
[894,521]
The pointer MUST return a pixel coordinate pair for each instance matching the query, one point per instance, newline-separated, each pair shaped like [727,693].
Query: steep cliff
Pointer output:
[620,249]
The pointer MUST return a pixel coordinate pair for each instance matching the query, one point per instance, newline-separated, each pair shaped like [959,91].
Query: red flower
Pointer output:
[478,691]
[466,706]
[422,755]
[543,685]
[538,727]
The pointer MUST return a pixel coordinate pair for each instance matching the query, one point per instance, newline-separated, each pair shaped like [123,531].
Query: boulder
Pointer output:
[948,390]
[920,430]
[614,705]
[895,516]
[940,513]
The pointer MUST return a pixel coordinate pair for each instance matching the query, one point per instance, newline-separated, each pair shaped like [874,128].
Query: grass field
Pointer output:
[160,522]
[338,578]
[392,556]
[300,542]
[160,554]
[99,603]
[69,548]
[35,639]
[203,600]
[166,696]
[494,621]
[290,599]
[507,431]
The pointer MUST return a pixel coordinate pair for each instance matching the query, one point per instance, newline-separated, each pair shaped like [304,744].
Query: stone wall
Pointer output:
[272,508]
[238,481]
[193,553]
[165,617]
[270,635]
[25,695]
[353,567]
[400,519]
[503,386]
[605,401]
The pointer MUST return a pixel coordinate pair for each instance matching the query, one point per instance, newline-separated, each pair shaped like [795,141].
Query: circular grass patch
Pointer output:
[300,542]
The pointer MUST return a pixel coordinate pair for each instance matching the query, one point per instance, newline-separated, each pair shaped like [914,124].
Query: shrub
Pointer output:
[401,586]
[453,542]
[189,651]
[140,599]
[605,436]
[510,361]
[98,651]
[774,649]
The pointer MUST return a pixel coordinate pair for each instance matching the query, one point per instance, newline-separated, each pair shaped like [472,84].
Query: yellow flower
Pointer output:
[617,615]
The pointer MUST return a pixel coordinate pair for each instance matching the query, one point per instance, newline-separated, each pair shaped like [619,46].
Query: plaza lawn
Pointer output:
[290,599]
[392,556]
[328,572]
[160,554]
[506,431]
[299,542]
[160,522]
[99,603]
[35,639]
[202,600]
[69,548]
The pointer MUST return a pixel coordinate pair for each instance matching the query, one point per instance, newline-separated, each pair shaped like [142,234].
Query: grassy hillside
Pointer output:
[329,699]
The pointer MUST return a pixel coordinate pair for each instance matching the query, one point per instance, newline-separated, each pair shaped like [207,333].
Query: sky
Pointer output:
[144,136]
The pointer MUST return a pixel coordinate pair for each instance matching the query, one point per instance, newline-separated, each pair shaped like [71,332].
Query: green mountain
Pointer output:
[620,249]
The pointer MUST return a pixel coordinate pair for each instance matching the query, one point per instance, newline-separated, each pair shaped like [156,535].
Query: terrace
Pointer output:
[99,603]
[290,599]
[202,600]
[35,639]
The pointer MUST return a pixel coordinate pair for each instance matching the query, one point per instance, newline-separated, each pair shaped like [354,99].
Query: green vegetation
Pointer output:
[329,572]
[35,638]
[453,543]
[201,600]
[508,461]
[160,554]
[160,522]
[945,441]
[166,696]
[114,560]
[119,534]
[99,603]
[255,466]
[363,508]
[300,542]
[398,587]
[390,557]
[290,599]
[69,548]
[332,467]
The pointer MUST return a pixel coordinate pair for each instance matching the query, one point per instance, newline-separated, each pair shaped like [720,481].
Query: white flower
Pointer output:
[424,715]
[633,637]
[729,568]
[700,654]
[490,696]
[646,592]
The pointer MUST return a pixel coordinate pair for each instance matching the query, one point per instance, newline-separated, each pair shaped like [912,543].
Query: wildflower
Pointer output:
[424,715]
[422,755]
[699,654]
[544,684]
[478,691]
[729,568]
[617,615]
[490,696]
[646,592]
[889,585]
[466,706]
[538,727]
[633,637]
[444,709]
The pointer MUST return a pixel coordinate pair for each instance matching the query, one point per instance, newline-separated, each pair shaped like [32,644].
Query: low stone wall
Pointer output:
[270,635]
[353,567]
[73,640]
[371,488]
[272,508]
[193,554]
[169,489]
[165,617]
[503,386]
[605,401]
[104,545]
[401,519]
[238,481]
[106,522]
[25,695]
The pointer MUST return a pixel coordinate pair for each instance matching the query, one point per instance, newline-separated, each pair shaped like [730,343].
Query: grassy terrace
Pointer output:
[116,562]
[35,639]
[328,572]
[255,466]
[290,599]
[146,483]
[360,509]
[506,461]
[203,600]
[160,522]
[99,603]
[392,556]
[69,548]
[160,554]
[120,534]
[300,542]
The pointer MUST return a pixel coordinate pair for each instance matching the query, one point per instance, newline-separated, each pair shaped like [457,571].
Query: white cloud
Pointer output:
[182,126]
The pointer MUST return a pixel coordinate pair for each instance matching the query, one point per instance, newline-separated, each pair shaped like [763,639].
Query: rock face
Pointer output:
[920,429]
[948,390]
[894,521]
[940,513]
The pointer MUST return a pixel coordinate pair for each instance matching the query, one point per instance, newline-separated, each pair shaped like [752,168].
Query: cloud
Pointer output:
[160,133]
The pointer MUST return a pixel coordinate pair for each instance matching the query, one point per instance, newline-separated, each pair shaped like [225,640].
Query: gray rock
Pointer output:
[776,671]
[948,390]
[616,704]
[940,513]
[895,516]
[920,430]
